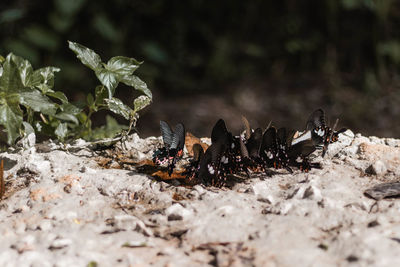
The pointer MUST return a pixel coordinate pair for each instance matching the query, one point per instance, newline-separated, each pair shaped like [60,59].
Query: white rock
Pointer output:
[178,210]
[61,243]
[377,168]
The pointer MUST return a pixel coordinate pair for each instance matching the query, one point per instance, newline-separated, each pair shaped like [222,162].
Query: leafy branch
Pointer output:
[117,70]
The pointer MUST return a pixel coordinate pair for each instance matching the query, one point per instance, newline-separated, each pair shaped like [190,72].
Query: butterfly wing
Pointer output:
[243,150]
[269,145]
[198,152]
[316,119]
[209,164]
[219,131]
[246,127]
[178,137]
[301,149]
[166,133]
[254,143]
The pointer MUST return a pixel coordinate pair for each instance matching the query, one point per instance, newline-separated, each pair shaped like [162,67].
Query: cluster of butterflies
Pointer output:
[253,151]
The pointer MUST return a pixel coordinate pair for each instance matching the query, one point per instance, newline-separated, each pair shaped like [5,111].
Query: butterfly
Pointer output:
[277,150]
[317,131]
[174,141]
[250,152]
[220,159]
[321,134]
[193,167]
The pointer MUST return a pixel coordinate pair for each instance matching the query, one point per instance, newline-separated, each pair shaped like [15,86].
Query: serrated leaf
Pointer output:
[141,102]
[87,56]
[38,102]
[108,79]
[122,66]
[61,131]
[137,83]
[10,81]
[116,106]
[11,119]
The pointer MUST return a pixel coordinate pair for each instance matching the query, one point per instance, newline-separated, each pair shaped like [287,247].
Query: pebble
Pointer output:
[377,168]
[177,212]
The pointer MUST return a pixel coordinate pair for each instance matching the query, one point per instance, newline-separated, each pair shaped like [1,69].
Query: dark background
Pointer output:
[267,60]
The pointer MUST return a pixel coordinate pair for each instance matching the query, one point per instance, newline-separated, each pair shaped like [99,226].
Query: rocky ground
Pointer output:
[62,208]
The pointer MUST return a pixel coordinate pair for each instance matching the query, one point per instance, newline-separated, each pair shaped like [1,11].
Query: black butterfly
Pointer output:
[174,141]
[192,169]
[298,155]
[269,147]
[220,159]
[250,152]
[277,150]
[321,134]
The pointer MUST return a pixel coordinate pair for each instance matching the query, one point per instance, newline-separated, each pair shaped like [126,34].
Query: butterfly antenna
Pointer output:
[269,125]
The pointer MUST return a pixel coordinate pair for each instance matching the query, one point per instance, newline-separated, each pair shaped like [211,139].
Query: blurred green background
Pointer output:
[267,60]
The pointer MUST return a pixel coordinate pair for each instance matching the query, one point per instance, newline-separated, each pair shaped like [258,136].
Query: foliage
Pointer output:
[28,102]
[239,39]
[25,93]
[118,69]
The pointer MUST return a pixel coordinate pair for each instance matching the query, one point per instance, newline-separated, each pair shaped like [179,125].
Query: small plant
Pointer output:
[29,104]
[117,69]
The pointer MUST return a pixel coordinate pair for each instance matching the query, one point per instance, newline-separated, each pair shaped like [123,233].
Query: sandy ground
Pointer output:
[62,209]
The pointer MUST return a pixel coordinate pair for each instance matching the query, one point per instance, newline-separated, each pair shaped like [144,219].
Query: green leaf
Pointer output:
[87,56]
[59,95]
[116,106]
[90,100]
[108,79]
[100,95]
[38,102]
[28,129]
[141,102]
[11,119]
[68,112]
[24,68]
[10,81]
[44,76]
[137,83]
[61,131]
[122,66]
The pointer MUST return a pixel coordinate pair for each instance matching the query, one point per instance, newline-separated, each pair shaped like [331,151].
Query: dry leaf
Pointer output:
[190,140]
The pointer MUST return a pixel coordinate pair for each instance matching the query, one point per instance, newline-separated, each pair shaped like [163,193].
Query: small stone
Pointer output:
[177,212]
[174,217]
[377,168]
[60,243]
